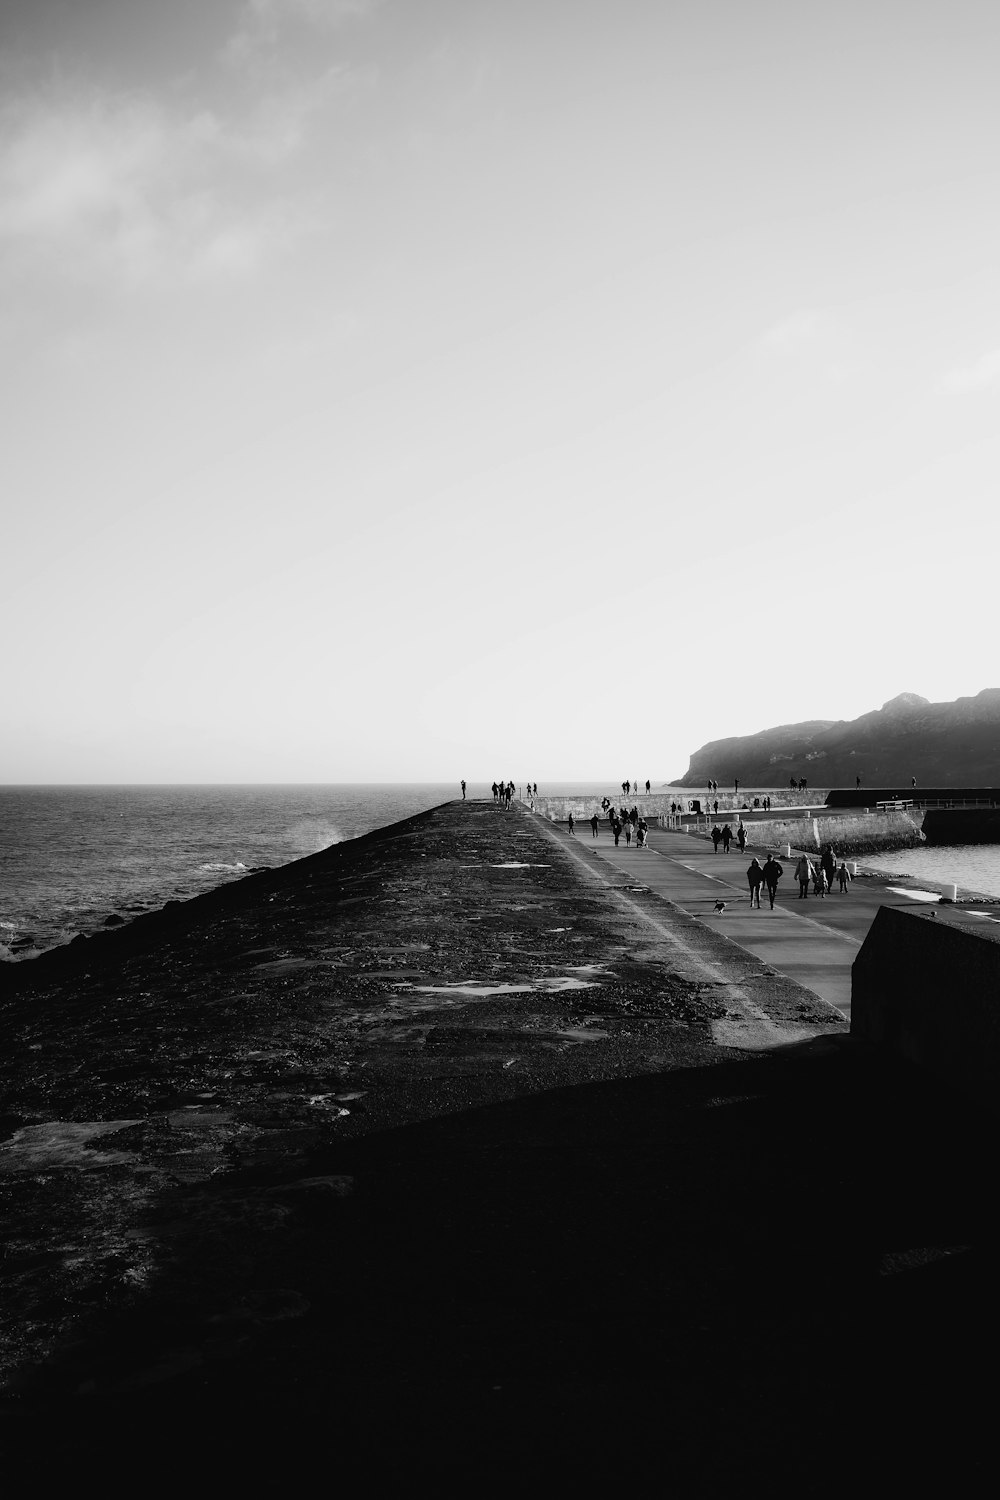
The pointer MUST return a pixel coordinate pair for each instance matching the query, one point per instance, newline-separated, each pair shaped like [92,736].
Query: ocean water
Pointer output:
[72,856]
[972,867]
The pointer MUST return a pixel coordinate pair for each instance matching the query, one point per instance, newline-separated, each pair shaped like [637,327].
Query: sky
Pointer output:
[424,389]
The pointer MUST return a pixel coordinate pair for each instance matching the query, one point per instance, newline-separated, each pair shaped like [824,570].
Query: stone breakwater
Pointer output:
[419,1159]
[854,834]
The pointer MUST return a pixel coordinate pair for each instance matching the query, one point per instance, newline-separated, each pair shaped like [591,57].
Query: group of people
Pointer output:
[767,874]
[821,876]
[503,793]
[725,836]
[621,820]
[629,786]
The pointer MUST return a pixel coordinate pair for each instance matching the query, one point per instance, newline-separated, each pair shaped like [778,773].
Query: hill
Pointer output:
[941,744]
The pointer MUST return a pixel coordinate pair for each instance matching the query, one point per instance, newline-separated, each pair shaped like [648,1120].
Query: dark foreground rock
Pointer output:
[416,1161]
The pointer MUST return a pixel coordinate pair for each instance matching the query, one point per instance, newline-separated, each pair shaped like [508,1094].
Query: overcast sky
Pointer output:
[434,388]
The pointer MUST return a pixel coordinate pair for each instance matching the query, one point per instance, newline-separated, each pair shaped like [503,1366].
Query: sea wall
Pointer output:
[558,809]
[924,987]
[962,825]
[852,834]
[582,805]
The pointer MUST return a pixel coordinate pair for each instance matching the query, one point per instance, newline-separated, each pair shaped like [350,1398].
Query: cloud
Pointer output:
[125,186]
[264,23]
[975,377]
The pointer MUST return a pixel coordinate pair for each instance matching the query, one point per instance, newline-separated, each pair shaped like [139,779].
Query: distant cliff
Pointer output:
[941,744]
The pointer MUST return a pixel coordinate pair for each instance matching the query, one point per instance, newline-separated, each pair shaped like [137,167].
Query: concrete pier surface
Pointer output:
[813,941]
[462,1154]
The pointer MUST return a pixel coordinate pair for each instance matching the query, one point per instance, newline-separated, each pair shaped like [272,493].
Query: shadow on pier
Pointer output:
[777,1271]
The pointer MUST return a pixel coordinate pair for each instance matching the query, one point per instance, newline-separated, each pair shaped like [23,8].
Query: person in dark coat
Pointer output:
[755,878]
[828,863]
[772,873]
[741,838]
[716,836]
[727,837]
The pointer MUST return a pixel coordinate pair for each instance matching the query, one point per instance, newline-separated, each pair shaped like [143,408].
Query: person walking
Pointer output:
[755,878]
[716,836]
[616,829]
[570,820]
[819,881]
[843,875]
[804,873]
[727,837]
[628,833]
[593,825]
[828,861]
[741,838]
[772,873]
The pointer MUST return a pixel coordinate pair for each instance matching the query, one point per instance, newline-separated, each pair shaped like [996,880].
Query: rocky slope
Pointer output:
[941,744]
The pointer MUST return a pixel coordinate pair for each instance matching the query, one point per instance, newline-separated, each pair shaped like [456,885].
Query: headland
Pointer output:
[440,1155]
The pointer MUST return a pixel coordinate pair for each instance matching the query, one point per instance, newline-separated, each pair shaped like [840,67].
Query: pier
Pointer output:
[466,1151]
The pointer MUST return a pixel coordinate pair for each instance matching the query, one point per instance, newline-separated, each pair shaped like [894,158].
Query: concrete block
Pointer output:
[926,986]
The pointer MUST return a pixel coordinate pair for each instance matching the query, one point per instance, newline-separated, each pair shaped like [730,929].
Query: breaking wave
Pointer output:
[235,869]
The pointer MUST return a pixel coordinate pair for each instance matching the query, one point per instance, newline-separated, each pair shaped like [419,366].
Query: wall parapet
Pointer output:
[924,988]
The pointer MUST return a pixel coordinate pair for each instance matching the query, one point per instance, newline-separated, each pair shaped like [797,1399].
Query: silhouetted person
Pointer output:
[593,825]
[843,875]
[716,836]
[772,874]
[828,863]
[741,839]
[616,829]
[715,807]
[727,837]
[463,791]
[570,821]
[857,784]
[755,877]
[647,787]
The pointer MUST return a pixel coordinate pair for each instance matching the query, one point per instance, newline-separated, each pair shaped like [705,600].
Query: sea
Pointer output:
[72,856]
[974,868]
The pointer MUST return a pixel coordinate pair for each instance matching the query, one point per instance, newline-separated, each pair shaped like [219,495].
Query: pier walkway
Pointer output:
[814,942]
